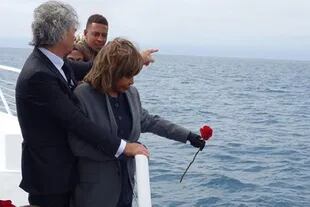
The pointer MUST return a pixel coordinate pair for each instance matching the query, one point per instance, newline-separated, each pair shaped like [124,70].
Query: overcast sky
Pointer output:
[236,28]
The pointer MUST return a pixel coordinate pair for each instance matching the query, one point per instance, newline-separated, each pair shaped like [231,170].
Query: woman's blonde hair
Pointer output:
[117,59]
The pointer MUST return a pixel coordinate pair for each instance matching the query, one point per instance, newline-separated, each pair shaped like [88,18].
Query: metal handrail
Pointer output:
[3,90]
[8,68]
[143,181]
[6,106]
[7,82]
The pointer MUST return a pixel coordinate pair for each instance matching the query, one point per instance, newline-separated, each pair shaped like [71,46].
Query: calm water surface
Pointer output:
[260,113]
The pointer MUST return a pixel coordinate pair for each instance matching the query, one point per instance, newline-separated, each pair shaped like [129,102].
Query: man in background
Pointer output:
[95,35]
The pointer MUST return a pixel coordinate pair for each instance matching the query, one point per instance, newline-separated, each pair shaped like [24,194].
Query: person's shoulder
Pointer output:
[82,45]
[83,86]
[88,94]
[133,91]
[78,64]
[34,59]
[38,60]
[85,89]
[36,68]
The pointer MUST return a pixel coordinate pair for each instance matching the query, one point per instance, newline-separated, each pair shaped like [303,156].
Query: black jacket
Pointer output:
[47,110]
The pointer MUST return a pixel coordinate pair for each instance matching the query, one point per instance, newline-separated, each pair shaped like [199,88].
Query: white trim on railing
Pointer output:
[4,101]
[4,67]
[6,106]
[143,181]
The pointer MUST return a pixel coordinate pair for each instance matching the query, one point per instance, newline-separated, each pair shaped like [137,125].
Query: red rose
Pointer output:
[206,132]
[6,203]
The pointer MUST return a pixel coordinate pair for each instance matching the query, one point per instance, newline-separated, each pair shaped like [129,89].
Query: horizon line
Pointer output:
[197,55]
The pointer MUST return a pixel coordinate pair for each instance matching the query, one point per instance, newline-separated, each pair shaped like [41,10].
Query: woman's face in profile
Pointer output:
[123,84]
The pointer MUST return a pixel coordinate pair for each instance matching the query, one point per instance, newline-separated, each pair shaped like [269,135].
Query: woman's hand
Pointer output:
[196,141]
[133,149]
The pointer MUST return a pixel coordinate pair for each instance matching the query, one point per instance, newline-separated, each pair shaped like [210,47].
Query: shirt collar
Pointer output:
[56,60]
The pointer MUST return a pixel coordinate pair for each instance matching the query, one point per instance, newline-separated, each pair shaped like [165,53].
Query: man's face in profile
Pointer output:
[96,35]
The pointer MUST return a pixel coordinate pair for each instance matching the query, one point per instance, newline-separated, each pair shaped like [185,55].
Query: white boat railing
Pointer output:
[8,68]
[10,134]
[5,103]
[8,76]
[143,181]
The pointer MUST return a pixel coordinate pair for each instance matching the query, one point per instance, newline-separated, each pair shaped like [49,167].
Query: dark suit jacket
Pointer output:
[47,109]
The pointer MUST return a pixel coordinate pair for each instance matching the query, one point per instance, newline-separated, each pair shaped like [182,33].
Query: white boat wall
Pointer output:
[10,149]
[10,139]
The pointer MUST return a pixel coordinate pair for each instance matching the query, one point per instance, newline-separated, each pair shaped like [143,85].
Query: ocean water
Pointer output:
[259,109]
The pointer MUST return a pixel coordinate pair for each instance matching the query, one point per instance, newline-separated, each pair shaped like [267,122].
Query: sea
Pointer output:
[259,109]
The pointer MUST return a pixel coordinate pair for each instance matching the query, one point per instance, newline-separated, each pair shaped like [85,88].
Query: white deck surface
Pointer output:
[10,150]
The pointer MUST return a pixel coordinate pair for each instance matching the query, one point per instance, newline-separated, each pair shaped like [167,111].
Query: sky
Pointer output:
[275,29]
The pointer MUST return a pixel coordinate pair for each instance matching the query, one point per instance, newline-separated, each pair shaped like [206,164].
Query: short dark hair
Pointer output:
[97,18]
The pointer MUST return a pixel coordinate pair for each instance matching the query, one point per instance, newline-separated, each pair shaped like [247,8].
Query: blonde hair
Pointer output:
[117,59]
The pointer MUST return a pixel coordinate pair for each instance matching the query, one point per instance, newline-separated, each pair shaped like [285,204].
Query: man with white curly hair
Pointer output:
[48,110]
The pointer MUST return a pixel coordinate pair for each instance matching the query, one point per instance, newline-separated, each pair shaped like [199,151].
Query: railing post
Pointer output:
[143,181]
[7,108]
